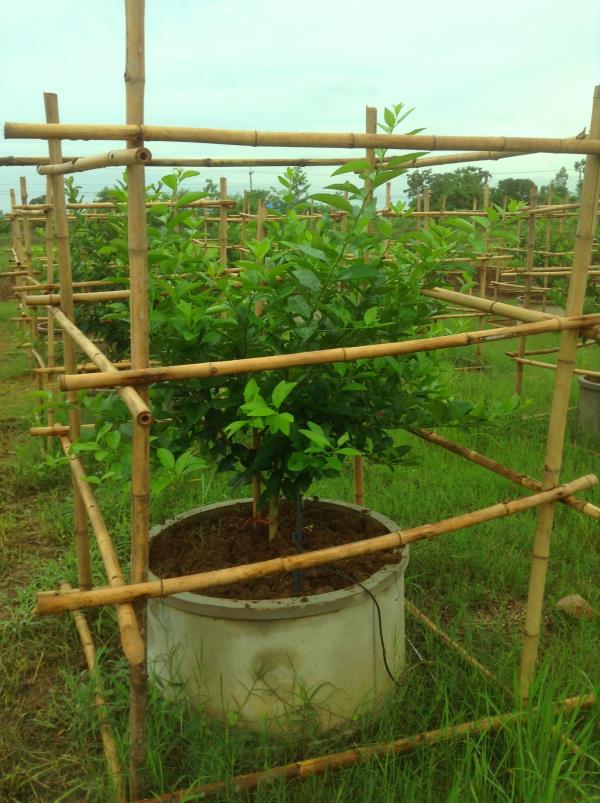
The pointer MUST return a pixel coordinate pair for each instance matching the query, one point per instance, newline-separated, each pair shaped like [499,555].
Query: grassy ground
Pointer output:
[472,582]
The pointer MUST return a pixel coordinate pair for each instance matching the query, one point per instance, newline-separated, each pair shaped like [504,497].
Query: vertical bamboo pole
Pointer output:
[426,208]
[359,467]
[223,223]
[261,216]
[26,228]
[546,258]
[140,467]
[527,295]
[50,339]
[61,232]
[560,402]
[27,256]
[17,246]
[419,202]
[388,195]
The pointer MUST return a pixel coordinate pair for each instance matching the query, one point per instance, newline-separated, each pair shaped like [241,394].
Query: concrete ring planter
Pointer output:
[588,408]
[281,662]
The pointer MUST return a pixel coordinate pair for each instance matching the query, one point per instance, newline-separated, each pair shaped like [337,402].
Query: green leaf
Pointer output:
[280,393]
[359,272]
[166,458]
[307,279]
[333,200]
[298,461]
[389,117]
[189,174]
[170,181]
[251,391]
[370,316]
[113,439]
[354,166]
[234,427]
[189,198]
[346,186]
[257,409]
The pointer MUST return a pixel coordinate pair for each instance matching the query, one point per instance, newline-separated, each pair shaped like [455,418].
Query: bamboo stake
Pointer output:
[356,755]
[126,156]
[223,223]
[54,299]
[131,398]
[106,733]
[26,227]
[67,308]
[140,467]
[207,370]
[54,602]
[50,335]
[133,646]
[300,139]
[527,295]
[558,415]
[508,473]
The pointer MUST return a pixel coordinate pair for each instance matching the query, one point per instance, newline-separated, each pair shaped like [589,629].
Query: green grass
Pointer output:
[473,582]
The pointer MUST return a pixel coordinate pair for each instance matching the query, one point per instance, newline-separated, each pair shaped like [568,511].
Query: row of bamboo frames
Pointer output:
[132,383]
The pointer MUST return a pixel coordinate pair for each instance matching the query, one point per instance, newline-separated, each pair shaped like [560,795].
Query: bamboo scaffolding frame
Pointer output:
[54,602]
[106,733]
[208,370]
[126,156]
[560,402]
[131,640]
[299,139]
[49,285]
[313,766]
[508,473]
[67,309]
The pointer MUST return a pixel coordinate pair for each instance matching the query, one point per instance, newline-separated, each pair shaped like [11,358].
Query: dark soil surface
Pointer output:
[230,539]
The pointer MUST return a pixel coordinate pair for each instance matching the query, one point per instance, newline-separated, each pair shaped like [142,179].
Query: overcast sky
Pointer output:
[519,68]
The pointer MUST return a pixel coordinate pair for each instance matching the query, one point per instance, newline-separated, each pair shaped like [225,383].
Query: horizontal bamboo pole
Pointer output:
[183,161]
[7,273]
[315,766]
[125,156]
[55,285]
[209,370]
[55,602]
[108,740]
[86,367]
[55,430]
[508,473]
[552,366]
[296,139]
[131,639]
[130,397]
[505,310]
[54,298]
[552,350]
[83,205]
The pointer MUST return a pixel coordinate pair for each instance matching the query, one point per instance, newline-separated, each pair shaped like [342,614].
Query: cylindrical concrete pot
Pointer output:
[281,662]
[589,406]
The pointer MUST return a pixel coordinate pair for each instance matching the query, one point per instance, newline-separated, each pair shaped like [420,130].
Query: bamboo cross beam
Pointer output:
[55,430]
[131,398]
[508,473]
[125,156]
[553,367]
[356,755]
[53,299]
[55,602]
[299,139]
[505,310]
[208,370]
[131,639]
[55,285]
[110,205]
